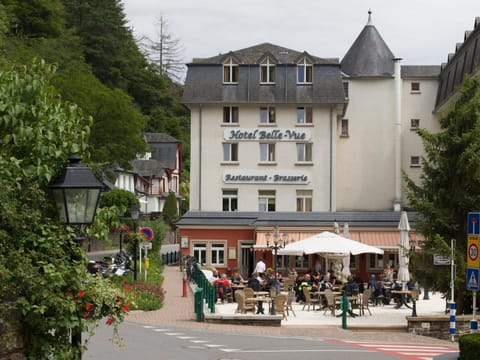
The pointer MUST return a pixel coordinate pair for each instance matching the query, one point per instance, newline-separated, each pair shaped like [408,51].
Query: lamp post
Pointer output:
[135,214]
[279,242]
[413,245]
[76,193]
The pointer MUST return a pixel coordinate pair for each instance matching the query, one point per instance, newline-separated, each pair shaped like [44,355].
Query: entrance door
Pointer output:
[245,263]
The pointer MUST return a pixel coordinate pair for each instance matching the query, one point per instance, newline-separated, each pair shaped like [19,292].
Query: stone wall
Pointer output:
[438,326]
[11,340]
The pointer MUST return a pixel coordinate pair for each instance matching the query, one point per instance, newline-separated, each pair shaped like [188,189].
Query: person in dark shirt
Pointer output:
[254,283]
[351,287]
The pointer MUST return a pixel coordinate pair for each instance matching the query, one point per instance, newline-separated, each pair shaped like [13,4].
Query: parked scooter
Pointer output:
[118,266]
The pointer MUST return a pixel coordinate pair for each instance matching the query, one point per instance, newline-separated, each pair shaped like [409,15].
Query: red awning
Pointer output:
[381,239]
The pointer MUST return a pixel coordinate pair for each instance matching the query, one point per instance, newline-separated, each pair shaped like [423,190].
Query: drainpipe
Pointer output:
[200,157]
[333,156]
[397,202]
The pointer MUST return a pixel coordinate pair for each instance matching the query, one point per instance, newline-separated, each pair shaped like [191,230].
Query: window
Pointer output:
[304,115]
[267,72]
[267,115]
[230,114]
[304,72]
[345,89]
[304,200]
[414,124]
[415,87]
[217,254]
[200,252]
[301,262]
[376,261]
[267,152]
[230,152]
[230,72]
[304,152]
[414,161]
[230,200]
[266,200]
[344,129]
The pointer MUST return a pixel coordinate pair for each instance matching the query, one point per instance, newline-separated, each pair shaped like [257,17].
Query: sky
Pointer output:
[421,32]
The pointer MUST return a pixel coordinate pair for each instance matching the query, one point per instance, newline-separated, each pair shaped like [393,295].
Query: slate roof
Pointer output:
[255,54]
[148,168]
[420,71]
[369,56]
[163,148]
[464,61]
[204,81]
[294,219]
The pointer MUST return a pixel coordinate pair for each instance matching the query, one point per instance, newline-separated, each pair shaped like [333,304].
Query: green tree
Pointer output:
[449,188]
[35,18]
[170,211]
[42,271]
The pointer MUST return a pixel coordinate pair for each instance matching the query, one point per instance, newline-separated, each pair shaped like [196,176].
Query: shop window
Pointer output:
[217,254]
[200,252]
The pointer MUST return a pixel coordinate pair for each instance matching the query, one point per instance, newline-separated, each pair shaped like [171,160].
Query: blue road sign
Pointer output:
[472,279]
[473,223]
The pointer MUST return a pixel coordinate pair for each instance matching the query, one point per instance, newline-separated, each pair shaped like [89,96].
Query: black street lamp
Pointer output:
[279,242]
[76,193]
[135,214]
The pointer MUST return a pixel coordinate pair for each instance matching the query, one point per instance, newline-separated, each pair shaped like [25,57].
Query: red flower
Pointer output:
[81,294]
[86,315]
[109,321]
[127,288]
[126,308]
[88,306]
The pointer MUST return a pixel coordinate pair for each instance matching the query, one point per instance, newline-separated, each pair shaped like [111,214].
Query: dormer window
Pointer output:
[230,72]
[304,72]
[267,71]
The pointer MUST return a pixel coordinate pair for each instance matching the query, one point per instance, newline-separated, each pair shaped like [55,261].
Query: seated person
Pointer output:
[351,287]
[387,274]
[238,279]
[254,282]
[378,290]
[223,286]
[214,276]
[306,282]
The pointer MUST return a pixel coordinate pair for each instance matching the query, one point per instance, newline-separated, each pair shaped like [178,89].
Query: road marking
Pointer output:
[414,351]
[213,345]
[199,341]
[174,334]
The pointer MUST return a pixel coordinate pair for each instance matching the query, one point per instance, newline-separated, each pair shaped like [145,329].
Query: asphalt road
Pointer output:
[148,342]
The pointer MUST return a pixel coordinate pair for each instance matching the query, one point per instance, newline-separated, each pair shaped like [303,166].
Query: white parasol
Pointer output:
[403,246]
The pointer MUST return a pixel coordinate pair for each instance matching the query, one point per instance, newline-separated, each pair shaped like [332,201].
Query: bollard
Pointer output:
[199,303]
[184,283]
[344,307]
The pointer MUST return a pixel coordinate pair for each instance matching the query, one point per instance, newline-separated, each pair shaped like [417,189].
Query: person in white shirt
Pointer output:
[260,267]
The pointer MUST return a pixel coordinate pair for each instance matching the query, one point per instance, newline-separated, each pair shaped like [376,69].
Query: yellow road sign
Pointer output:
[473,258]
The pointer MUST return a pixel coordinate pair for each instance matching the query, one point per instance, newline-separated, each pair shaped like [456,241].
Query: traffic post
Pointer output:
[473,262]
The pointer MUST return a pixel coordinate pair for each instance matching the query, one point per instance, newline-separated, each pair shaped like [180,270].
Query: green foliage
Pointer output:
[39,261]
[450,184]
[35,18]
[170,210]
[122,199]
[469,346]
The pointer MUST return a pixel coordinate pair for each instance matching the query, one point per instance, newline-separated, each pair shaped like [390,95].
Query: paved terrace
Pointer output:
[178,312]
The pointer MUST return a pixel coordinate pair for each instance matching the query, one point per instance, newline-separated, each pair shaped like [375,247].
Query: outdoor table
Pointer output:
[259,300]
[402,299]
[261,293]
[350,299]
[321,295]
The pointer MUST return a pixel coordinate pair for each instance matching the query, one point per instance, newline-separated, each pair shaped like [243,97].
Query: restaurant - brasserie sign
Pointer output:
[266,177]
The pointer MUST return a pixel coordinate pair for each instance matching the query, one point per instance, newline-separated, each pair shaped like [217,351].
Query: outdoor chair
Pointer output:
[242,306]
[332,304]
[289,304]
[364,301]
[280,302]
[309,300]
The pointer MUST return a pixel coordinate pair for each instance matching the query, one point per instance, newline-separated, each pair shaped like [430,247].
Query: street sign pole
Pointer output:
[453,307]
[473,262]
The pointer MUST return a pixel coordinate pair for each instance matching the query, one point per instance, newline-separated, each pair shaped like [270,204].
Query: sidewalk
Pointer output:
[178,312]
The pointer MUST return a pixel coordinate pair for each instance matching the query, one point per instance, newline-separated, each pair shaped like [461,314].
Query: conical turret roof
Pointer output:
[369,56]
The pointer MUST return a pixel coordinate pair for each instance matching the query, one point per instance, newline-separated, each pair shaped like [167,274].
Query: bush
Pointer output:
[469,346]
